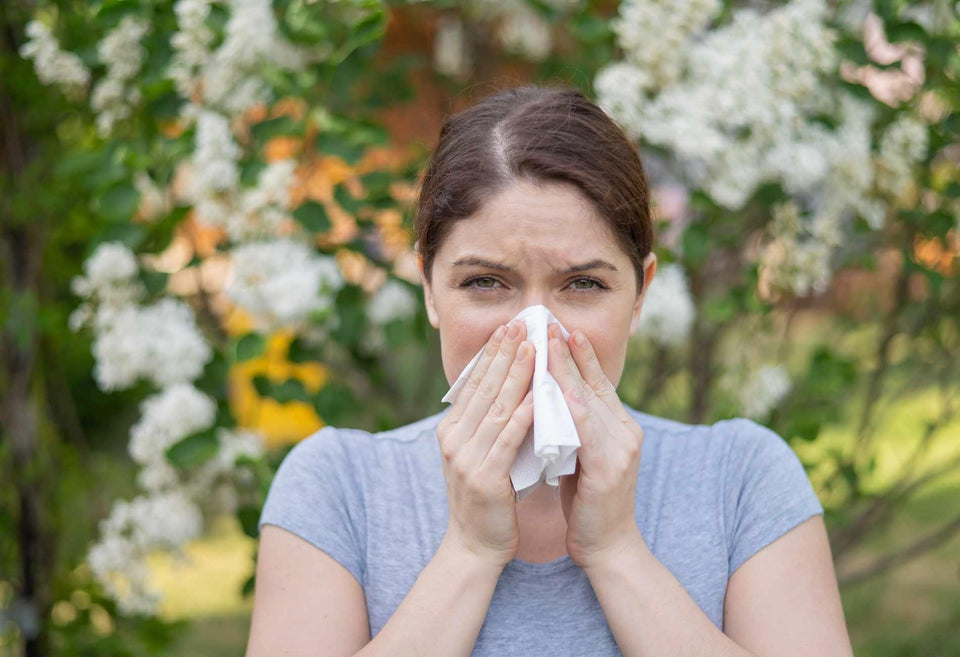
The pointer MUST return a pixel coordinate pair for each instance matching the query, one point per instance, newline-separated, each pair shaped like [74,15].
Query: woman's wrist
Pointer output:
[611,559]
[458,549]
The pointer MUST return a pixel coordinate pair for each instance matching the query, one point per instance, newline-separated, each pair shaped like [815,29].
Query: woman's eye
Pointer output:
[487,283]
[587,280]
[479,279]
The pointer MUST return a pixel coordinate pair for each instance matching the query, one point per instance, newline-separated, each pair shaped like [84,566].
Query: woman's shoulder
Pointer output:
[715,446]
[740,430]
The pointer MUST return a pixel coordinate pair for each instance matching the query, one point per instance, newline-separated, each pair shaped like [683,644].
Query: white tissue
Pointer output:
[549,450]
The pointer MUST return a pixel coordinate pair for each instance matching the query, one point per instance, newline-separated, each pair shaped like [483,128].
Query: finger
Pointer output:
[516,385]
[503,451]
[485,391]
[490,350]
[592,374]
[591,416]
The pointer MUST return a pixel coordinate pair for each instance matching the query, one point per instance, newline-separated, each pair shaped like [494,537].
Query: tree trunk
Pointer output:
[22,253]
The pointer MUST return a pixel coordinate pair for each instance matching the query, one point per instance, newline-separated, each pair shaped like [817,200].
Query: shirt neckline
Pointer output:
[547,567]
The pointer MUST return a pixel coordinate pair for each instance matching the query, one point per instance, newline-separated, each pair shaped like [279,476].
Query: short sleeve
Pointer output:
[316,494]
[766,491]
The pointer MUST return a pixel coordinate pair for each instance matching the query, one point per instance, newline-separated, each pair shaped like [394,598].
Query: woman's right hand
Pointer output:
[479,439]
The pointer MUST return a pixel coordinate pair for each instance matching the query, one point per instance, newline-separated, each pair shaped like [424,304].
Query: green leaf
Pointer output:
[249,517]
[248,586]
[72,165]
[351,311]
[333,401]
[194,450]
[313,217]
[590,28]
[908,31]
[250,171]
[290,390]
[345,200]
[282,125]
[154,281]
[161,230]
[696,244]
[853,50]
[284,392]
[132,235]
[301,352]
[719,309]
[342,147]
[250,346]
[262,385]
[377,185]
[119,202]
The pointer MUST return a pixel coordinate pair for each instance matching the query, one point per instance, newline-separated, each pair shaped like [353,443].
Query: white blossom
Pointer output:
[653,33]
[620,91]
[191,45]
[109,280]
[220,473]
[668,311]
[904,143]
[764,390]
[158,474]
[261,212]
[215,167]
[517,26]
[798,257]
[281,281]
[392,301]
[128,535]
[451,55]
[167,418]
[525,32]
[53,65]
[231,80]
[160,343]
[123,55]
[732,102]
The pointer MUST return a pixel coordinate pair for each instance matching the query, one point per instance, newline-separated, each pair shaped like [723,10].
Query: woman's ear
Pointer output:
[427,294]
[649,269]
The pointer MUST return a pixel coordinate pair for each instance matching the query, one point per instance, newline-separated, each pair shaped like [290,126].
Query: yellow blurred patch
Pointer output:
[280,424]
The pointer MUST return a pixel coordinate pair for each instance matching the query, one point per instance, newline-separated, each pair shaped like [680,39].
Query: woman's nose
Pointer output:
[535,298]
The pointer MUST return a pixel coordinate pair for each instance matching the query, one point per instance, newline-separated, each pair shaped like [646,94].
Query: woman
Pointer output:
[670,538]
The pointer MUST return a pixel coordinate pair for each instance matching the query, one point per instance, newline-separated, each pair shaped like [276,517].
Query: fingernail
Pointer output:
[498,334]
[514,331]
[523,351]
[578,339]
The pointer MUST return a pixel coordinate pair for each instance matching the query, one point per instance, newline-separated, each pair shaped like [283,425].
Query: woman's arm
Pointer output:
[307,604]
[782,602]
[443,611]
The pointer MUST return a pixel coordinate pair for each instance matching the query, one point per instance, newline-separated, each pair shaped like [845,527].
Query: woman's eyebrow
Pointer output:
[596,263]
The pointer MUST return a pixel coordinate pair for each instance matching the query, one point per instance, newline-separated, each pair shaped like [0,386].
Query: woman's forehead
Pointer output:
[562,250]
[550,220]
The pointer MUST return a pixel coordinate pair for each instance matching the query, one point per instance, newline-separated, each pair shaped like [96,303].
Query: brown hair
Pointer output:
[537,134]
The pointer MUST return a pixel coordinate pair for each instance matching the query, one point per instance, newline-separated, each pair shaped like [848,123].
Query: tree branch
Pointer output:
[904,555]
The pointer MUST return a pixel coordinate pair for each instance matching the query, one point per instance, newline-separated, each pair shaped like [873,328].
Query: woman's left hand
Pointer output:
[599,498]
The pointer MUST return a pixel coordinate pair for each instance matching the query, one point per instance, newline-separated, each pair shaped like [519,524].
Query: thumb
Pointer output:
[568,489]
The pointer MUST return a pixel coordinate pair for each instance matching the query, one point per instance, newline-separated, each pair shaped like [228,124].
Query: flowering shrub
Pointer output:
[203,128]
[179,95]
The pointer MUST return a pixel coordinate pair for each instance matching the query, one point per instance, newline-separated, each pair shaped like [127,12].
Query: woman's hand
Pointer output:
[599,498]
[479,439]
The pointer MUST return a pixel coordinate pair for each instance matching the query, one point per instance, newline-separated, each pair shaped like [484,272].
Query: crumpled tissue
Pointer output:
[549,450]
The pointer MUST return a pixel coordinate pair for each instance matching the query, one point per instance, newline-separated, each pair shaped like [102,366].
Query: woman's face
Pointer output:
[520,250]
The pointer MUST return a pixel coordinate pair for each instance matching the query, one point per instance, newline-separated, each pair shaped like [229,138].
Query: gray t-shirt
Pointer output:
[708,498]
